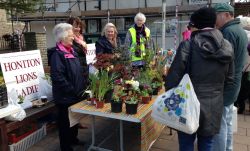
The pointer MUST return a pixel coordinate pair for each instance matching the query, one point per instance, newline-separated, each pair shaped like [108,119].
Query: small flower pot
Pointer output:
[99,104]
[131,108]
[116,107]
[145,99]
[93,101]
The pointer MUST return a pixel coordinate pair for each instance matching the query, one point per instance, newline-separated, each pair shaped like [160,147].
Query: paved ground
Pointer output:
[165,142]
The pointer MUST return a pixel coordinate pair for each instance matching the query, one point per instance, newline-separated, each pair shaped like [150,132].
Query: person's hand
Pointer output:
[83,43]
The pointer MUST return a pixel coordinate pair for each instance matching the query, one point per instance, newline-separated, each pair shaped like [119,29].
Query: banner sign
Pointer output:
[21,71]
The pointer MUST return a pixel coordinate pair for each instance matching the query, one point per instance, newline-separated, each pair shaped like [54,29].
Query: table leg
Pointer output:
[93,133]
[121,135]
[92,146]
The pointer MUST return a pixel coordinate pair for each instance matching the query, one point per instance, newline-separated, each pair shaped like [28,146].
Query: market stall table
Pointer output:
[150,130]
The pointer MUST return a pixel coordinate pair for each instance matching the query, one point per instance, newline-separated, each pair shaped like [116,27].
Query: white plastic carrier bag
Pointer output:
[179,107]
[13,99]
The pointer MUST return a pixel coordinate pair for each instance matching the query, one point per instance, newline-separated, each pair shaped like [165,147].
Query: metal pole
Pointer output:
[176,26]
[164,4]
[108,12]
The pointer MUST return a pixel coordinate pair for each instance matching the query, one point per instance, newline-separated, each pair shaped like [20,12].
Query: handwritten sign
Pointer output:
[21,71]
[90,57]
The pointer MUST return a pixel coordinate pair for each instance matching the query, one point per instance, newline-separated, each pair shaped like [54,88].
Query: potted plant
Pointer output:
[116,102]
[145,97]
[93,87]
[156,86]
[132,104]
[104,84]
[133,97]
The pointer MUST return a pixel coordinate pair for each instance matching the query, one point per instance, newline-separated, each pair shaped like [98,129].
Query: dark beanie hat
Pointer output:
[203,17]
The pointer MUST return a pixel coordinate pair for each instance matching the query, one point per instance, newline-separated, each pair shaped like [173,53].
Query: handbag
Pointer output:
[179,107]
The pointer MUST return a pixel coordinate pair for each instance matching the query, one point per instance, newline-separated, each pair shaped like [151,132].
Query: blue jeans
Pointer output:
[186,142]
[224,140]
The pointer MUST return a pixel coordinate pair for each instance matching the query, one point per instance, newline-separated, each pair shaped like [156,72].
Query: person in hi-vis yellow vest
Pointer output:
[137,40]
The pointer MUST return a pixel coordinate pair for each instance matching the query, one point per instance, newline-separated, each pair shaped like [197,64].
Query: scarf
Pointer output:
[140,31]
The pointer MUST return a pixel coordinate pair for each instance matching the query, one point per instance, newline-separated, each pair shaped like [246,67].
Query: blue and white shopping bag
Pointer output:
[179,107]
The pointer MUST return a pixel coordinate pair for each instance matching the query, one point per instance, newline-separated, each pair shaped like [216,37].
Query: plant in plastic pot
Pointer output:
[156,86]
[116,102]
[104,84]
[132,104]
[133,97]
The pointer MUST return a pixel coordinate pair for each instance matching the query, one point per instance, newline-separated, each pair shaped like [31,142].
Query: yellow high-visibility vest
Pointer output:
[134,44]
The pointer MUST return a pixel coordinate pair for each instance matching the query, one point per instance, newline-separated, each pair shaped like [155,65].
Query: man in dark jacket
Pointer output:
[234,33]
[206,58]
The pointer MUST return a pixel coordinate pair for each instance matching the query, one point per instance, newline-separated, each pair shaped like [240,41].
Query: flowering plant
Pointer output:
[134,84]
[134,91]
[118,93]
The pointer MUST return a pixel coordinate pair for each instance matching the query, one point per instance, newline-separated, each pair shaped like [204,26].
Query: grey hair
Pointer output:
[60,31]
[109,25]
[140,16]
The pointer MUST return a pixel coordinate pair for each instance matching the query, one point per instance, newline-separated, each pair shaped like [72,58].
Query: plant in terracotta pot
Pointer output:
[145,96]
[93,86]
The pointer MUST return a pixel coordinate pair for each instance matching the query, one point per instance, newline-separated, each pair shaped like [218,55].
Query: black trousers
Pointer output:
[67,134]
[244,92]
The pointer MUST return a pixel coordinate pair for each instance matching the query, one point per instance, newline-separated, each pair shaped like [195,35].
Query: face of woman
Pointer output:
[139,22]
[76,28]
[68,41]
[110,33]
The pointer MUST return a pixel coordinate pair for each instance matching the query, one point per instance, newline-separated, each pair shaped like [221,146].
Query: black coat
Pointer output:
[103,46]
[68,82]
[210,67]
[82,57]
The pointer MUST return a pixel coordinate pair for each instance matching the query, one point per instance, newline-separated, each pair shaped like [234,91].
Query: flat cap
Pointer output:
[223,7]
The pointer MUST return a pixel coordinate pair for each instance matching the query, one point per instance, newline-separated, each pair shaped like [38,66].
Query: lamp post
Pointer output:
[163,25]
